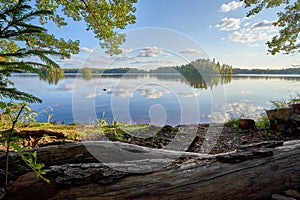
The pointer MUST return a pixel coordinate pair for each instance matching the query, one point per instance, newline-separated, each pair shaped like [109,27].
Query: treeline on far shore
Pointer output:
[199,66]
[174,70]
[293,70]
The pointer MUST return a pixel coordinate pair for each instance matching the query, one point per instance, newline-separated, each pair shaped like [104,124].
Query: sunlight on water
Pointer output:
[164,99]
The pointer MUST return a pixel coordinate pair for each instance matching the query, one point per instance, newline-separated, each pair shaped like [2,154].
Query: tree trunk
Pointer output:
[107,170]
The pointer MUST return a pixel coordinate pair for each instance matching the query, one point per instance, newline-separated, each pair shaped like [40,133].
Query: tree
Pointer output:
[26,46]
[15,27]
[102,17]
[288,22]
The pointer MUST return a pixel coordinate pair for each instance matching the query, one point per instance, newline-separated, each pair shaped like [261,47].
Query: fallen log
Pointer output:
[125,171]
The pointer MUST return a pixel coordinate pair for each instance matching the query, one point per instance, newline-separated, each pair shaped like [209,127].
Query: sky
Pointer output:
[174,32]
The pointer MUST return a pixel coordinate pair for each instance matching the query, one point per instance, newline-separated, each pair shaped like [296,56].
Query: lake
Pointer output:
[155,98]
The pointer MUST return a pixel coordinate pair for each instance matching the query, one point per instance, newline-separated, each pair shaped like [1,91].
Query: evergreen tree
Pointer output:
[15,26]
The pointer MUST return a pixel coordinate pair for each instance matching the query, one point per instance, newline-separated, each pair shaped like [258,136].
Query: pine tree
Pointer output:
[15,26]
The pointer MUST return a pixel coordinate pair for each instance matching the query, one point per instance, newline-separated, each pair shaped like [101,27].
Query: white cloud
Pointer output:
[247,24]
[189,94]
[253,45]
[218,117]
[150,93]
[265,24]
[230,6]
[257,32]
[191,51]
[124,58]
[229,24]
[247,110]
[90,95]
[154,62]
[252,33]
[125,51]
[85,49]
[151,52]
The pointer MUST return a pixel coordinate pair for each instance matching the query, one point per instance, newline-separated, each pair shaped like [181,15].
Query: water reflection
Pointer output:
[196,81]
[246,95]
[266,77]
[53,76]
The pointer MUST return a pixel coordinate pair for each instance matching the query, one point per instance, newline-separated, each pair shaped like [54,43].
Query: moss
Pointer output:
[76,135]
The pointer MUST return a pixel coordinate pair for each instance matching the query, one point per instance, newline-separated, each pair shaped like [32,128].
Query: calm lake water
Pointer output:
[158,99]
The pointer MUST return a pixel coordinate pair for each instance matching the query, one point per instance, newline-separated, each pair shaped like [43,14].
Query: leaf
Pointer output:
[2,105]
[15,146]
[34,154]
[27,108]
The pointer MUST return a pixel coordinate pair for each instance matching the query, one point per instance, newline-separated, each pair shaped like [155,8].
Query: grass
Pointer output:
[233,123]
[115,131]
[285,103]
[263,122]
[72,132]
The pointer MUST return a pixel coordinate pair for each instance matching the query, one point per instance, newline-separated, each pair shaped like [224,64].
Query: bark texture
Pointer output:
[108,170]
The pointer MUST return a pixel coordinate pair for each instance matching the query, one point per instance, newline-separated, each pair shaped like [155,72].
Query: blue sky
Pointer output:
[182,31]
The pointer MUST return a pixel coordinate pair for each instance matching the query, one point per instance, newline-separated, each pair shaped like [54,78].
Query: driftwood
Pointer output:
[107,170]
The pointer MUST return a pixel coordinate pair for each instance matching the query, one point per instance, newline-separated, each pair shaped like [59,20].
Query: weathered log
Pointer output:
[125,171]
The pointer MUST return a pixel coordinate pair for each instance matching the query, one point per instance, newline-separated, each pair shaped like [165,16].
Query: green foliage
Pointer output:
[263,122]
[53,75]
[102,122]
[87,73]
[10,110]
[16,49]
[233,123]
[103,18]
[30,159]
[23,39]
[288,21]
[76,135]
[267,71]
[14,112]
[267,134]
[285,103]
[204,66]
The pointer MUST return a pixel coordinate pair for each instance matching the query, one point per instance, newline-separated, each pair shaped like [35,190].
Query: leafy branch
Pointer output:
[29,158]
[8,144]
